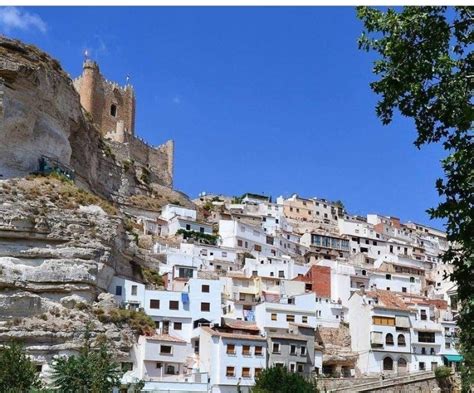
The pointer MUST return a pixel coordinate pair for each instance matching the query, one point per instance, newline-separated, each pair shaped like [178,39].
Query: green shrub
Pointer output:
[198,236]
[151,276]
[442,372]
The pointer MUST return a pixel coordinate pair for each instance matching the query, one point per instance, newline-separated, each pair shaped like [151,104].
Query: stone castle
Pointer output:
[112,108]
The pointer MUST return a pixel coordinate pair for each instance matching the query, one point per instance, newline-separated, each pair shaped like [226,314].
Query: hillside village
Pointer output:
[227,285]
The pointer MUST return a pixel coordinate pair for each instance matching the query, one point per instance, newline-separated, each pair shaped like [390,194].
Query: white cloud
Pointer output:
[13,18]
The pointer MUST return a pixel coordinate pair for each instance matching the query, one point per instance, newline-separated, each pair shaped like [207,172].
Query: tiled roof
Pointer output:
[241,325]
[165,337]
[388,300]
[288,336]
[235,336]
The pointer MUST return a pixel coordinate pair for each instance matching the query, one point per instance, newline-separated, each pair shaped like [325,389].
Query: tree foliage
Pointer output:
[425,67]
[17,371]
[92,371]
[280,380]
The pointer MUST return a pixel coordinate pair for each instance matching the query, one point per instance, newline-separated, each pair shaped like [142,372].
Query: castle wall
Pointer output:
[157,160]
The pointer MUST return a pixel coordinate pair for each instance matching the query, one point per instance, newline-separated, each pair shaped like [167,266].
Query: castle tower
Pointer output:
[89,89]
[111,106]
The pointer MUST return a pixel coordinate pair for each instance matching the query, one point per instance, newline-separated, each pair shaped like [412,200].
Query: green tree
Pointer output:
[425,66]
[92,371]
[280,380]
[17,371]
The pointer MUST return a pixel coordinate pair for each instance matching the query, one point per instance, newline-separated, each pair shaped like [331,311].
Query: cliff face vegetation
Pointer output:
[61,242]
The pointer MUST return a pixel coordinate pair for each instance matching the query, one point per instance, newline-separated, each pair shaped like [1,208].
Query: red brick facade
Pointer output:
[318,280]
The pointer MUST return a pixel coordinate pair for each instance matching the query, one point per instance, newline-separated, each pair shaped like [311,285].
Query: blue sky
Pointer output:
[271,100]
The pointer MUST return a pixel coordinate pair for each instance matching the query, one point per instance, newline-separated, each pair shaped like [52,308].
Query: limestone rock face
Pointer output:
[56,254]
[33,124]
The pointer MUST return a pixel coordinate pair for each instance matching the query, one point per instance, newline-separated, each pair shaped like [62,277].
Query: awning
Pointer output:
[454,358]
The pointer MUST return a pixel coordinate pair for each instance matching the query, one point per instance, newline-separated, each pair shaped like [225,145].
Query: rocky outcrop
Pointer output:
[38,123]
[56,255]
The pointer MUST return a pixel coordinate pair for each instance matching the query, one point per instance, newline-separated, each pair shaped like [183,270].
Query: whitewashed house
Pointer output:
[232,355]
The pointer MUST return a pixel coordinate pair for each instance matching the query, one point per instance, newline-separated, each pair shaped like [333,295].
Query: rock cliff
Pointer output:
[62,242]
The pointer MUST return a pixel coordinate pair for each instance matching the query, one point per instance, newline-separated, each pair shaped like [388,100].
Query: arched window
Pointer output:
[364,272]
[389,339]
[412,279]
[387,364]
[401,340]
[401,364]
[113,110]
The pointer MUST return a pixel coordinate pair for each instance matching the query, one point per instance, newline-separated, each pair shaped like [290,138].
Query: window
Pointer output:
[292,367]
[281,274]
[246,350]
[292,349]
[300,368]
[276,348]
[205,288]
[165,349]
[201,229]
[421,366]
[257,372]
[230,349]
[206,307]
[303,351]
[245,372]
[154,303]
[188,227]
[290,318]
[239,243]
[448,345]
[401,363]
[401,340]
[304,319]
[257,247]
[258,351]
[174,305]
[274,317]
[388,363]
[230,371]
[158,365]
[388,276]
[178,326]
[118,290]
[432,351]
[404,289]
[389,339]
[423,351]
[170,369]
[388,321]
[134,290]
[412,279]
[185,272]
[113,110]
[423,315]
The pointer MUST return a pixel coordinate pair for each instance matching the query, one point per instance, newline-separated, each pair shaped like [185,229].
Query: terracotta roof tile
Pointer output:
[236,336]
[165,337]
